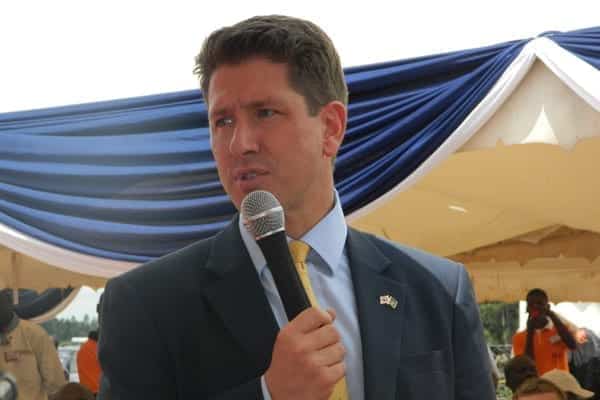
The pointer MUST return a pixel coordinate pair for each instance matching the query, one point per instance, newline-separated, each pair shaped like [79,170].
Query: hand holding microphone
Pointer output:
[308,358]
[308,354]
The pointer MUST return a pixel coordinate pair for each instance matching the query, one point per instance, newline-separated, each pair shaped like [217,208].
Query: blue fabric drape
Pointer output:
[134,179]
[401,112]
[584,43]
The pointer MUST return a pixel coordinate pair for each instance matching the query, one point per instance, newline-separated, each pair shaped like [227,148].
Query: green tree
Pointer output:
[500,321]
[64,329]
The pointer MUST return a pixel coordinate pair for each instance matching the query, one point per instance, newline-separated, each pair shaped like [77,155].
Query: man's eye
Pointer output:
[265,113]
[221,122]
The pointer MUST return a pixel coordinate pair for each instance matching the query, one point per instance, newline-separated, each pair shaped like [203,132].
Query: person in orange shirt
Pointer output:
[88,366]
[546,340]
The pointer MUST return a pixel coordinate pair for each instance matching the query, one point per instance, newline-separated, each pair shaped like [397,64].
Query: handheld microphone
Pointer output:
[264,218]
[8,387]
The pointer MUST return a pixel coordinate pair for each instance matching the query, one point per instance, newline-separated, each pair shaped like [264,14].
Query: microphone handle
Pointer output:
[280,263]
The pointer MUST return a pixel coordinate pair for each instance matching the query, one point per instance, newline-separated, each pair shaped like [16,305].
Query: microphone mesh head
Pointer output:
[262,214]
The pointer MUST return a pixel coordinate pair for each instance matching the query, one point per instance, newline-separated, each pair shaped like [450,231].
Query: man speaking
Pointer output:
[380,321]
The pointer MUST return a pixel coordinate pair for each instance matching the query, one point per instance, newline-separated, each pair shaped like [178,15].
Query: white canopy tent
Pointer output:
[513,193]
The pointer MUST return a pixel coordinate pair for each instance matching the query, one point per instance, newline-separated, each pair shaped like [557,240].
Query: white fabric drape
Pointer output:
[62,258]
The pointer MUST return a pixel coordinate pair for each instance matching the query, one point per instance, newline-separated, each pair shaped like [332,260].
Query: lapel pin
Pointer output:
[388,300]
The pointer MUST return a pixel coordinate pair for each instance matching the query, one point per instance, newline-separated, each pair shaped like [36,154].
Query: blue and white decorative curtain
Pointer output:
[99,188]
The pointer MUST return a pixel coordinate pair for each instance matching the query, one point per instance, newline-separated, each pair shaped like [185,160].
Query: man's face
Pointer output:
[581,336]
[537,307]
[263,137]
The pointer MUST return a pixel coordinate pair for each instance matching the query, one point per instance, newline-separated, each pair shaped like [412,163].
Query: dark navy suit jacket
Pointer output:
[196,324]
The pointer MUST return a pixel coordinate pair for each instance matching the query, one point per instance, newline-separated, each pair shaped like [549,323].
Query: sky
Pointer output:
[65,52]
[84,303]
[62,52]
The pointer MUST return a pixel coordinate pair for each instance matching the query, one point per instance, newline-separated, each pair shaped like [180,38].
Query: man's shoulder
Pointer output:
[88,345]
[33,332]
[518,342]
[390,247]
[174,266]
[520,335]
[422,271]
[180,276]
[31,327]
[417,261]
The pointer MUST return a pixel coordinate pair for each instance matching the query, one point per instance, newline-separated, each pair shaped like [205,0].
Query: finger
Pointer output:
[332,313]
[322,337]
[330,356]
[336,372]
[311,319]
[327,378]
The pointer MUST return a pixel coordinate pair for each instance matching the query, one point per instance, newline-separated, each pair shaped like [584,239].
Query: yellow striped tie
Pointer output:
[299,251]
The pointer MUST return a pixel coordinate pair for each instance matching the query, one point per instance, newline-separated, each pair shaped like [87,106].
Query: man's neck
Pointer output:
[302,220]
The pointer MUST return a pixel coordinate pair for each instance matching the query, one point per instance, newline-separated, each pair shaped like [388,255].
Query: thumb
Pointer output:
[331,312]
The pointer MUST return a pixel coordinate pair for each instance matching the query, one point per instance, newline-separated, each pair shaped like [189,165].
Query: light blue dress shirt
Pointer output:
[331,281]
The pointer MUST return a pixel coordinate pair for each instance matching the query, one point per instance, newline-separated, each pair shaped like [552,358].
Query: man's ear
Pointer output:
[334,116]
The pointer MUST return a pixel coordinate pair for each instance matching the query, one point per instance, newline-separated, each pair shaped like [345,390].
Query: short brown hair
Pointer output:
[73,391]
[518,369]
[314,67]
[538,385]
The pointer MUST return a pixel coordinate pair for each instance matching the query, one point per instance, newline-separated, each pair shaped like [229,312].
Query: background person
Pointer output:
[28,353]
[546,340]
[517,370]
[88,366]
[584,361]
[73,391]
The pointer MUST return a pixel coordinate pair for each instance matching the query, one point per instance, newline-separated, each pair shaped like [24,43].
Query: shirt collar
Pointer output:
[327,238]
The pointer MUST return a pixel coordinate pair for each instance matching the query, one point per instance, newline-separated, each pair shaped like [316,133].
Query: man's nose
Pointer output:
[244,140]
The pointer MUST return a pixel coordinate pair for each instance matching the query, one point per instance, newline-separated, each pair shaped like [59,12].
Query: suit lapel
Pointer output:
[238,297]
[380,324]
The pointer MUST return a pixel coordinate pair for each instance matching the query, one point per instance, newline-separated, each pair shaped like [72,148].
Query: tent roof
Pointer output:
[18,268]
[532,166]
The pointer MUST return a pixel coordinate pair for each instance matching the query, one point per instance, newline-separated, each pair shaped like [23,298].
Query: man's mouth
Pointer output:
[248,176]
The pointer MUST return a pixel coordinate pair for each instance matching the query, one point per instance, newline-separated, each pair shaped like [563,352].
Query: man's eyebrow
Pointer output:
[269,101]
[218,112]
[253,104]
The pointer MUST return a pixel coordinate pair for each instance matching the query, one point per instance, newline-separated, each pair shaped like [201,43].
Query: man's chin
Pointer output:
[245,190]
[240,195]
